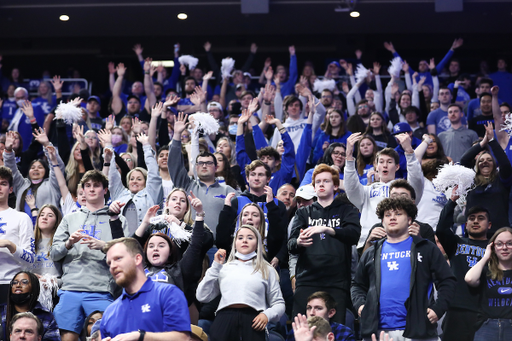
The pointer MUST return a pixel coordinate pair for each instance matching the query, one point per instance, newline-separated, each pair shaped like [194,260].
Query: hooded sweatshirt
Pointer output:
[326,263]
[85,269]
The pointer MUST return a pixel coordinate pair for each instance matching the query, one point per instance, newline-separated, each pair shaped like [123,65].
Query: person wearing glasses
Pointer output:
[23,297]
[205,187]
[492,275]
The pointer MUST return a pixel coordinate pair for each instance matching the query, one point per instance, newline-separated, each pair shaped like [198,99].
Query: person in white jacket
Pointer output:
[366,198]
[16,237]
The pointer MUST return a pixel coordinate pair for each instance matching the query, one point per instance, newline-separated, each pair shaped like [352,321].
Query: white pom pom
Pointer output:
[361,73]
[205,122]
[189,61]
[178,234]
[452,175]
[395,67]
[320,85]
[69,113]
[48,287]
[507,125]
[228,64]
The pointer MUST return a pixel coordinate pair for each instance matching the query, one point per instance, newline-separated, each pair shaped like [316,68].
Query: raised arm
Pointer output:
[61,180]
[149,88]
[117,102]
[175,163]
[156,112]
[444,231]
[378,100]
[502,136]
[353,188]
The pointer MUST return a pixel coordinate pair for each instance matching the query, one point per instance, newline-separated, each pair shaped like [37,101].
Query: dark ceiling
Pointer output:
[99,31]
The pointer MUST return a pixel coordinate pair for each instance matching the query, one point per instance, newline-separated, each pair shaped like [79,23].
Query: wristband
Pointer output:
[57,165]
[34,209]
[267,103]
[146,72]
[202,214]
[282,130]
[142,334]
[106,164]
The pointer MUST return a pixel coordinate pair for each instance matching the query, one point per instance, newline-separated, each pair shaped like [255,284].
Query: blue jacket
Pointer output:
[284,174]
[323,137]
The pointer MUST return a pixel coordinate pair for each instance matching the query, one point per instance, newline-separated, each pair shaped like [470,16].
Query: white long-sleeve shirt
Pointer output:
[239,284]
[366,198]
[16,227]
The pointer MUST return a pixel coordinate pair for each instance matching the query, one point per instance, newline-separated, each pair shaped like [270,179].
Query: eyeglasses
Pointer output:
[500,245]
[205,163]
[339,153]
[24,282]
[185,136]
[362,107]
[127,160]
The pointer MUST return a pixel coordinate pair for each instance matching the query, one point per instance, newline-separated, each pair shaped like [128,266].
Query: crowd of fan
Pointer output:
[314,202]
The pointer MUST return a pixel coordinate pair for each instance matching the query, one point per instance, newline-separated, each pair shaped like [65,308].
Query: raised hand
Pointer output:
[207,46]
[108,153]
[269,193]
[41,137]
[351,142]
[52,154]
[109,123]
[76,102]
[389,46]
[207,76]
[457,43]
[27,109]
[160,67]
[137,48]
[180,123]
[147,64]
[150,213]
[136,125]
[105,137]
[143,139]
[57,83]
[156,111]
[253,106]
[358,53]
[171,100]
[10,137]
[301,329]
[349,69]
[270,119]
[195,203]
[277,82]
[268,62]
[421,82]
[120,69]
[291,49]
[312,105]
[489,131]
[405,141]
[495,90]
[269,93]
[254,48]
[246,115]
[78,133]
[432,64]
[111,68]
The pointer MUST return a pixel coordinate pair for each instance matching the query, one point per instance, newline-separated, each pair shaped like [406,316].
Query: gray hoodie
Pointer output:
[84,269]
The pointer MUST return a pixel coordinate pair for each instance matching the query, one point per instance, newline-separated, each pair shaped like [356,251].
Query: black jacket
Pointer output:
[427,265]
[276,216]
[327,262]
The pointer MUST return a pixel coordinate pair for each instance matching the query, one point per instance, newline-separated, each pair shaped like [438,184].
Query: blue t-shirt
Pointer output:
[43,103]
[439,118]
[462,95]
[395,269]
[156,307]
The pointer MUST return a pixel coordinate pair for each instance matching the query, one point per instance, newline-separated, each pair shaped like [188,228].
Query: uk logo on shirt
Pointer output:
[146,308]
[393,266]
[2,229]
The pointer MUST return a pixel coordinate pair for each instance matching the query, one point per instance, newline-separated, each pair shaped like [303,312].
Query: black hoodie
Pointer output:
[327,262]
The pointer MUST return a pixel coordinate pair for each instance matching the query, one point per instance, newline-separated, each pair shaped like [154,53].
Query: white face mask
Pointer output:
[116,139]
[232,129]
[20,102]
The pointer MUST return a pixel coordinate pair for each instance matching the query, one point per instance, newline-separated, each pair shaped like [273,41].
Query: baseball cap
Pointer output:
[306,192]
[94,98]
[132,96]
[214,104]
[402,127]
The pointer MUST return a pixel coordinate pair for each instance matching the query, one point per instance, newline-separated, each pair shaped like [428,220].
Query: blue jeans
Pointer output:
[495,330]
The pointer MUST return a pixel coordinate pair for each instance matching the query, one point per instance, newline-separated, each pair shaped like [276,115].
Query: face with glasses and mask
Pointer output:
[21,289]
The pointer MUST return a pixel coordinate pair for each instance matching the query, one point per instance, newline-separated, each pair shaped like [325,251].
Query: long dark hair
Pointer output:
[327,157]
[226,172]
[34,282]
[34,187]
[174,254]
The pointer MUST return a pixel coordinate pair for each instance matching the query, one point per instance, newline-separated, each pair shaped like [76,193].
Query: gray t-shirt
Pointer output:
[43,264]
